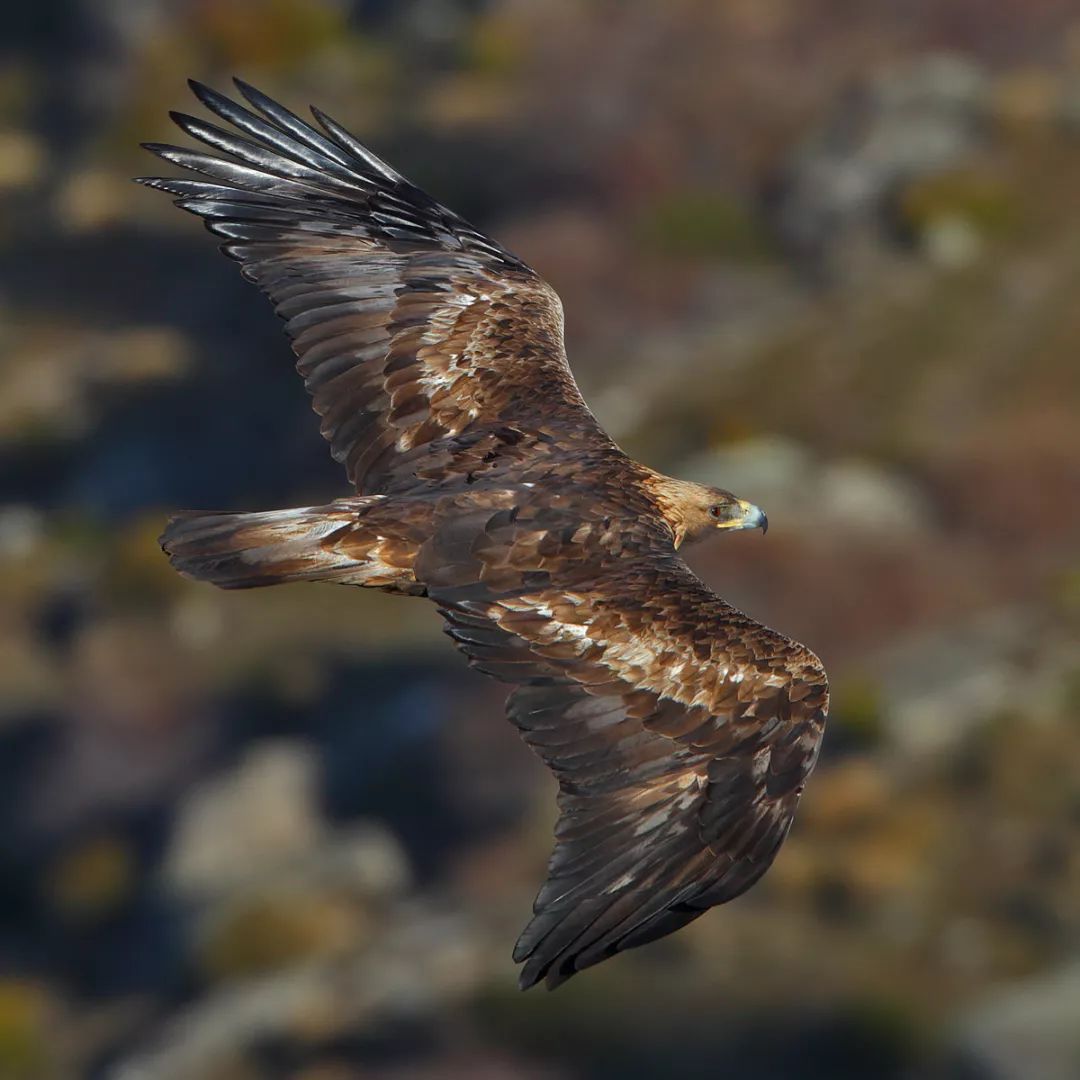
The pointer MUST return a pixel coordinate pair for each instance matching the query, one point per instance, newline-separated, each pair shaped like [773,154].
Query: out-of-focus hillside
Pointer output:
[826,255]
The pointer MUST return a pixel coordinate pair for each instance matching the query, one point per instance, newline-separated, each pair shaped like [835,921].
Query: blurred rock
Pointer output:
[1028,1031]
[261,821]
[939,686]
[797,490]
[22,160]
[39,396]
[765,466]
[953,213]
[92,199]
[912,120]
[231,826]
[51,385]
[278,929]
[417,966]
[944,83]
[21,530]
[951,242]
[863,495]
[131,735]
[142,354]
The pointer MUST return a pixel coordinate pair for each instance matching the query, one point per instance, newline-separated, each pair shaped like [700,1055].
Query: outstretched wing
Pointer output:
[681,732]
[410,326]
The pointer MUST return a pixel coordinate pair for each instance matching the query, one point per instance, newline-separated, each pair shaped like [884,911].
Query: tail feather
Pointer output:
[310,543]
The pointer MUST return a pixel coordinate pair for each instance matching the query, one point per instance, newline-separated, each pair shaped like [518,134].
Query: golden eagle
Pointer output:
[681,731]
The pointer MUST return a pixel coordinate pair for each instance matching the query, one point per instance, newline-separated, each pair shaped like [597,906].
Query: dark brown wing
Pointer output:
[410,326]
[681,731]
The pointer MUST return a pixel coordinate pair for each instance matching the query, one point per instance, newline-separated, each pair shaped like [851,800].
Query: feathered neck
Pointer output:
[681,502]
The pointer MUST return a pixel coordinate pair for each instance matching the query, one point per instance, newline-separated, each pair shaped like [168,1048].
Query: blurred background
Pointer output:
[824,253]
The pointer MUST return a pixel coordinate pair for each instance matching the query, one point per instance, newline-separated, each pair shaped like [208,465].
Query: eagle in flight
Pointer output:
[681,731]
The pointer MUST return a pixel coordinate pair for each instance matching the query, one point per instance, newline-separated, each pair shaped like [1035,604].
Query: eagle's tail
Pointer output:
[310,543]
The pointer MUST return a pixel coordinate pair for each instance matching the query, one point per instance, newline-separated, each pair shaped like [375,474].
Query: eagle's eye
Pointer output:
[716,510]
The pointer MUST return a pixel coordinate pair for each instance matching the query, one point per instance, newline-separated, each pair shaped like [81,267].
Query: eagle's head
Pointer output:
[718,509]
[697,511]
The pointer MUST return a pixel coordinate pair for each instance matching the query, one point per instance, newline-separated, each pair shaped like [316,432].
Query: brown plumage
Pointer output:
[681,731]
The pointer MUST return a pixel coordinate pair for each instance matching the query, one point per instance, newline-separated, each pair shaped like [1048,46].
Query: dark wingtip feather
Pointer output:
[222,106]
[201,90]
[350,143]
[528,979]
[540,969]
[162,183]
[245,88]
[160,149]
[260,100]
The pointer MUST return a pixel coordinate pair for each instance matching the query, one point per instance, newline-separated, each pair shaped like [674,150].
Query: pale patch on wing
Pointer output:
[442,323]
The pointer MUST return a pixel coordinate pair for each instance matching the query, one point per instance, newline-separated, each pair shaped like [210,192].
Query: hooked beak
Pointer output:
[745,515]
